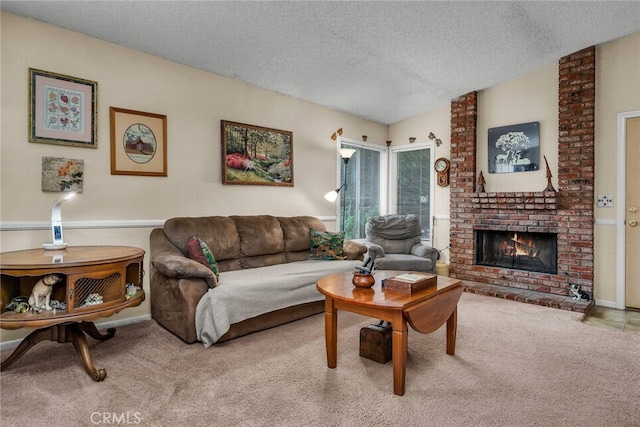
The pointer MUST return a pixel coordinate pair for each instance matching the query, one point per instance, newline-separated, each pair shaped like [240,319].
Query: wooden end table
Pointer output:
[425,311]
[86,271]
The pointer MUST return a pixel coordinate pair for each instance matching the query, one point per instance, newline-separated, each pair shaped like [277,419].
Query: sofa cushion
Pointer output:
[326,245]
[218,232]
[199,251]
[404,262]
[297,231]
[297,235]
[261,240]
[248,293]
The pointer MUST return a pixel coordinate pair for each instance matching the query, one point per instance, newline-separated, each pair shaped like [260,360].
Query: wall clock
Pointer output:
[442,167]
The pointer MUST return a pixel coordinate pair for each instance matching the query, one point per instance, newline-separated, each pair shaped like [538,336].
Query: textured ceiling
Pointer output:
[385,61]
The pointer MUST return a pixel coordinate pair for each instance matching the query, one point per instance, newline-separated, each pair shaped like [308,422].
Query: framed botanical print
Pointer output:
[62,109]
[60,174]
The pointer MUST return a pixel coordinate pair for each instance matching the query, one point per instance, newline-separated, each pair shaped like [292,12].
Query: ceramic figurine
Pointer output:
[480,183]
[578,294]
[41,293]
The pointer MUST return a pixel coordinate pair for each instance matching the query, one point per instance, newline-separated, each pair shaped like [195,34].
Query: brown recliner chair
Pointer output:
[394,243]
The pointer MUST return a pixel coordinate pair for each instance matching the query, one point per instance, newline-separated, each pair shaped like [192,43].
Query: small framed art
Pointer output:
[60,174]
[514,148]
[254,155]
[138,143]
[62,109]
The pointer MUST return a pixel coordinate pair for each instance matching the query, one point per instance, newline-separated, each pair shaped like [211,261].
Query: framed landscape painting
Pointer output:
[62,109]
[254,155]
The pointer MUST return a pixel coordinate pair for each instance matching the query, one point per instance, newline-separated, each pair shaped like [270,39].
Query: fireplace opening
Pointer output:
[518,250]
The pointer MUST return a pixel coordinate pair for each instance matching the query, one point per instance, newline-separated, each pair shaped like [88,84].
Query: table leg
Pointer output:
[90,329]
[30,340]
[399,341]
[64,333]
[452,329]
[79,341]
[331,332]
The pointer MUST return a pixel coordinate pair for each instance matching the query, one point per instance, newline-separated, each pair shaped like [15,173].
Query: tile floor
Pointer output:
[611,318]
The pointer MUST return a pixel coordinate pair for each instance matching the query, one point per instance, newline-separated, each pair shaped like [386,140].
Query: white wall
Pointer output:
[530,98]
[194,103]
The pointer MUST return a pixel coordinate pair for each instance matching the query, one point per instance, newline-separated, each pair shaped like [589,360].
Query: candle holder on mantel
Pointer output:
[549,185]
[480,183]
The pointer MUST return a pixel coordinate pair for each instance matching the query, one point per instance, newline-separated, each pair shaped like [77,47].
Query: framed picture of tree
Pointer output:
[254,155]
[514,148]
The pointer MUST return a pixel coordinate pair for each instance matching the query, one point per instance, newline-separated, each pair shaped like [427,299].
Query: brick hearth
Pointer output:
[568,212]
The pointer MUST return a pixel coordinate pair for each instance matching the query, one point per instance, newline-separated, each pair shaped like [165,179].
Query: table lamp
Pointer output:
[56,224]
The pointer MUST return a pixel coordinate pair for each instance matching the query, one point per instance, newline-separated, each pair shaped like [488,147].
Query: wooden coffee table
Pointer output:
[425,311]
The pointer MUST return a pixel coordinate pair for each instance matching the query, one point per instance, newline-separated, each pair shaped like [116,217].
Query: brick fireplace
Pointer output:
[566,214]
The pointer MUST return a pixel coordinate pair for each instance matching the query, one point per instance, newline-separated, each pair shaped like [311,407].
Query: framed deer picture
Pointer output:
[514,148]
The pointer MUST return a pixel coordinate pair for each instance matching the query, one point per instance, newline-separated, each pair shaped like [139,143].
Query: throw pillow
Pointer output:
[199,251]
[326,245]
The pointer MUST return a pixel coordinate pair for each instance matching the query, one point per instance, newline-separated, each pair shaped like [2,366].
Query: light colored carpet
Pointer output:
[516,365]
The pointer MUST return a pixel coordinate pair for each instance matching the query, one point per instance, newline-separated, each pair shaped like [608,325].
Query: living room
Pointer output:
[122,209]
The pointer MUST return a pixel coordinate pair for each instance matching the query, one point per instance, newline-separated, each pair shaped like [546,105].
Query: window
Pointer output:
[412,184]
[361,198]
[370,190]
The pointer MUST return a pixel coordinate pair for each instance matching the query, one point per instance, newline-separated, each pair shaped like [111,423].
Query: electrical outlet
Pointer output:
[605,200]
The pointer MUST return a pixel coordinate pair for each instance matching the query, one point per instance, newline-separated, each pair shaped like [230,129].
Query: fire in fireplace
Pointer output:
[518,250]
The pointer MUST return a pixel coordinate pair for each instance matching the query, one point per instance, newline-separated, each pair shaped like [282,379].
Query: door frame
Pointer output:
[621,266]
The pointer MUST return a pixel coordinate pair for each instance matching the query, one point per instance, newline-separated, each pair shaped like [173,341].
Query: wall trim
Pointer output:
[99,224]
[69,225]
[603,303]
[605,222]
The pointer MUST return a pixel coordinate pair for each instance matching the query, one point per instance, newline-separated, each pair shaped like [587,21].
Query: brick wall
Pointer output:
[567,212]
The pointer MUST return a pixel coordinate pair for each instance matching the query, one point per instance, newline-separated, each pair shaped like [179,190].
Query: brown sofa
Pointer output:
[263,262]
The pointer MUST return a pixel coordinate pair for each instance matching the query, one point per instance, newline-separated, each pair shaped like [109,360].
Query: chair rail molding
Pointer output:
[99,224]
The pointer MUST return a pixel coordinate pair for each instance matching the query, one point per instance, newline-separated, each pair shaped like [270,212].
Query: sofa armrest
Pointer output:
[181,267]
[354,250]
[374,250]
[172,263]
[425,251]
[174,302]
